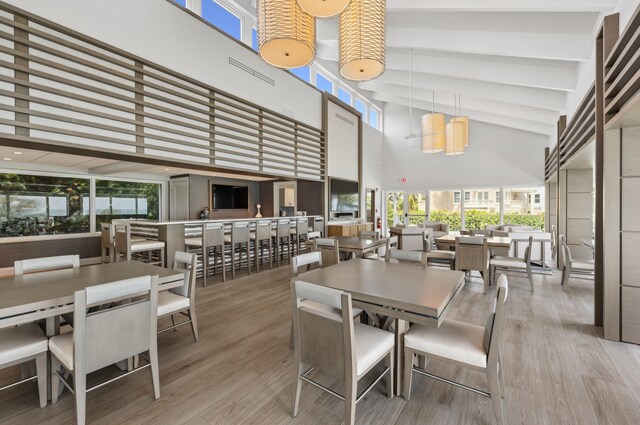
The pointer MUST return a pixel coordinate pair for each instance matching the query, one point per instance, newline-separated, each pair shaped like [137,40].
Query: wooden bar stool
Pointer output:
[282,238]
[211,248]
[239,236]
[299,234]
[125,246]
[262,234]
[316,224]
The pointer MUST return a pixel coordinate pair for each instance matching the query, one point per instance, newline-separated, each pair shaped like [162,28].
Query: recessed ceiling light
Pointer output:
[17,153]
[7,159]
[167,169]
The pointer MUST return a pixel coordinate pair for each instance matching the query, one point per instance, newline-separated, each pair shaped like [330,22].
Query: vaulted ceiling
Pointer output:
[512,61]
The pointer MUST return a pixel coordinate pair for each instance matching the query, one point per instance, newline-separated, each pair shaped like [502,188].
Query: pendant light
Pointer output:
[465,121]
[286,34]
[411,135]
[323,8]
[362,40]
[433,130]
[455,136]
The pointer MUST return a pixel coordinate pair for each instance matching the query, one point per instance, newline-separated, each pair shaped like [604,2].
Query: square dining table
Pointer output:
[405,292]
[359,246]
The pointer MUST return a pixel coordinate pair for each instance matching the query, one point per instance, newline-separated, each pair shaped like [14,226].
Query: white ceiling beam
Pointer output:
[524,125]
[538,98]
[501,5]
[469,103]
[563,47]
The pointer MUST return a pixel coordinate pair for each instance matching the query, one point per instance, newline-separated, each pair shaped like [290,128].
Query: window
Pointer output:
[360,106]
[444,206]
[323,83]
[119,199]
[41,205]
[467,196]
[304,73]
[222,18]
[344,96]
[182,3]
[497,196]
[518,208]
[373,118]
[537,198]
[254,39]
[480,210]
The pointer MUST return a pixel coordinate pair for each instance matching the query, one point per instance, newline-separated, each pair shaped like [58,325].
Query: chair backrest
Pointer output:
[308,259]
[302,226]
[122,232]
[186,263]
[313,235]
[554,236]
[465,232]
[566,252]
[34,265]
[318,224]
[392,242]
[212,235]
[472,253]
[373,234]
[112,334]
[405,256]
[329,249]
[485,233]
[427,240]
[494,325]
[240,231]
[284,229]
[106,235]
[323,338]
[528,250]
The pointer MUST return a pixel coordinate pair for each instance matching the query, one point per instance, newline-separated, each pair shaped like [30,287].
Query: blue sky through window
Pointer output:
[304,72]
[222,18]
[344,96]
[362,109]
[373,118]
[323,83]
[182,3]
[254,39]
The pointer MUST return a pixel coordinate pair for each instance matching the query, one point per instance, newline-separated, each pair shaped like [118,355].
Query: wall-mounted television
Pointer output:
[344,195]
[229,197]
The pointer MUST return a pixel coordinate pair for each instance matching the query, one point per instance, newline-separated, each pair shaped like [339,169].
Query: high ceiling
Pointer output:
[512,61]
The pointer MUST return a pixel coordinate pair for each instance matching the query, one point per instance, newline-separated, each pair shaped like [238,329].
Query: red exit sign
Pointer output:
[404,180]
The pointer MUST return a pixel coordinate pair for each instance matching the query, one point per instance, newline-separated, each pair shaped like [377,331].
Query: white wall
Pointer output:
[160,32]
[496,156]
[342,143]
[372,171]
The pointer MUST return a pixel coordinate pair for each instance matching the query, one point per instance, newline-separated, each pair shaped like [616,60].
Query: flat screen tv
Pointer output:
[344,195]
[229,197]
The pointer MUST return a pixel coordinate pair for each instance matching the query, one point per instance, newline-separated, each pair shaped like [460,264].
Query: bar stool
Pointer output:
[107,242]
[262,234]
[301,230]
[282,237]
[210,246]
[124,245]
[239,236]
[317,225]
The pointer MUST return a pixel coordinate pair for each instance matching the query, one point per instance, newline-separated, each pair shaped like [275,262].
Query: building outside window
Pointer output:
[480,211]
[444,206]
[456,197]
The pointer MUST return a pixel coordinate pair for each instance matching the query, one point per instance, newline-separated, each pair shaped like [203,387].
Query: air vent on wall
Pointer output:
[345,119]
[251,71]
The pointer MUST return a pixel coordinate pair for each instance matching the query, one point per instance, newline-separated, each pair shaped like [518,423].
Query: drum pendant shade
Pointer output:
[433,133]
[323,8]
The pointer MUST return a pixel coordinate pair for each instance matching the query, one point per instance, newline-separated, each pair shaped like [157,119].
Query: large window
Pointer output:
[524,206]
[360,106]
[182,3]
[304,73]
[222,18]
[444,206]
[118,199]
[40,205]
[344,96]
[373,118]
[481,208]
[254,39]
[323,83]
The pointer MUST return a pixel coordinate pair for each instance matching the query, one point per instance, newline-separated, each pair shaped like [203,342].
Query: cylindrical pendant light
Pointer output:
[433,130]
[465,132]
[455,138]
[323,8]
[286,34]
[362,40]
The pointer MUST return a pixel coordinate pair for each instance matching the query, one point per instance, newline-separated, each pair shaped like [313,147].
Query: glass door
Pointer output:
[395,208]
[416,208]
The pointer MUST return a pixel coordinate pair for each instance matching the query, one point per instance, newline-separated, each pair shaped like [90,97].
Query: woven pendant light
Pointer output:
[433,130]
[286,34]
[362,40]
[323,8]
[465,132]
[455,138]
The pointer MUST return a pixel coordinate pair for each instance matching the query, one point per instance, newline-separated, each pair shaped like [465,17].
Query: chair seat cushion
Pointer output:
[441,254]
[21,342]
[453,340]
[168,302]
[582,265]
[146,245]
[510,262]
[193,241]
[61,346]
[371,345]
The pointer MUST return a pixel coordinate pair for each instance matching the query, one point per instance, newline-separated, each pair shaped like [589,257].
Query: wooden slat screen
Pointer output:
[58,86]
[581,129]
[551,163]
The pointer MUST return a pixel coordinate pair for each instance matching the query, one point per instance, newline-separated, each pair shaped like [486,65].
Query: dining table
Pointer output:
[494,242]
[358,246]
[407,293]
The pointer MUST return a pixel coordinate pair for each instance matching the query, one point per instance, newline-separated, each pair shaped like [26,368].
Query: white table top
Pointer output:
[423,292]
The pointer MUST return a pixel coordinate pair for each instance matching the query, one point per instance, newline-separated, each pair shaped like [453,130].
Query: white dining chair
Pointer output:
[181,300]
[107,336]
[330,250]
[513,263]
[328,341]
[24,344]
[554,242]
[35,265]
[472,253]
[571,266]
[437,257]
[463,344]
[405,256]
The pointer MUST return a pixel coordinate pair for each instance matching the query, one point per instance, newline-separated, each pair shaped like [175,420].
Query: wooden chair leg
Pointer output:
[297,386]
[389,362]
[291,336]
[173,322]
[501,375]
[496,397]
[194,322]
[407,374]
[155,371]
[55,380]
[224,265]
[41,371]
[233,260]
[80,388]
[351,394]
